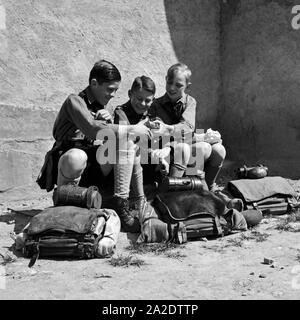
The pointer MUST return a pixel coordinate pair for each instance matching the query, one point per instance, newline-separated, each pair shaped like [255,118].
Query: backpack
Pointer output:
[66,231]
[270,195]
[196,214]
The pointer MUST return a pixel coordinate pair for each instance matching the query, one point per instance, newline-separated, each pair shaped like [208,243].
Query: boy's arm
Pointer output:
[120,117]
[79,114]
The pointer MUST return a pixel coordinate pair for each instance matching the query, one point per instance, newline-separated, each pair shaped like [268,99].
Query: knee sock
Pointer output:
[177,170]
[137,181]
[211,174]
[213,166]
[123,172]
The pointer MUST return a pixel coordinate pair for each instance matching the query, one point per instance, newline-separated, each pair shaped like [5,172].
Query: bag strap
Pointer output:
[35,256]
[218,225]
[181,235]
[169,213]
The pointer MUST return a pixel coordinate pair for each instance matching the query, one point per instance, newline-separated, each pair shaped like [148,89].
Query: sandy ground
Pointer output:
[225,268]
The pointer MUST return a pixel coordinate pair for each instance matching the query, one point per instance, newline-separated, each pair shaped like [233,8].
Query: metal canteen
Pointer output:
[77,196]
[257,172]
[183,183]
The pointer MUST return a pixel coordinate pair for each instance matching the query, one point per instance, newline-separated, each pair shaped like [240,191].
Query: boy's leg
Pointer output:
[122,179]
[126,164]
[200,152]
[137,187]
[123,171]
[214,164]
[181,158]
[71,166]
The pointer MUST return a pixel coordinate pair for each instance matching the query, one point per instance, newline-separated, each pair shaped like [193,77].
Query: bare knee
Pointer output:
[72,163]
[218,150]
[202,149]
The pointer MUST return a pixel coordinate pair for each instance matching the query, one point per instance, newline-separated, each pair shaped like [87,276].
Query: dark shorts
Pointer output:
[92,175]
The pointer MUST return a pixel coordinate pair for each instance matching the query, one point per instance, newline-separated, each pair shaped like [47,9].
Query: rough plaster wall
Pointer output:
[195,34]
[48,47]
[261,80]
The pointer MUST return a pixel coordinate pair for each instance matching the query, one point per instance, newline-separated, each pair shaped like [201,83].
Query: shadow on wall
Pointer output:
[194,31]
[259,117]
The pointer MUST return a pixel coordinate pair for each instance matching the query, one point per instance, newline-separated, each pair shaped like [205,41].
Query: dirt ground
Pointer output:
[225,268]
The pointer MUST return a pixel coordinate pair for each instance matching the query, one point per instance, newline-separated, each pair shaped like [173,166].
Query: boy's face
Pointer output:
[105,91]
[141,100]
[175,86]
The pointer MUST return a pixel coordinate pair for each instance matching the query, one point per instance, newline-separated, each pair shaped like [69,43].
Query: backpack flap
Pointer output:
[271,195]
[76,219]
[65,231]
[196,224]
[254,190]
[183,205]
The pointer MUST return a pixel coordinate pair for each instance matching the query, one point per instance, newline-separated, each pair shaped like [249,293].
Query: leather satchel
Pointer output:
[270,195]
[68,231]
[197,214]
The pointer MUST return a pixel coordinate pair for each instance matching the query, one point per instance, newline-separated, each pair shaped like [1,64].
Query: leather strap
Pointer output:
[35,255]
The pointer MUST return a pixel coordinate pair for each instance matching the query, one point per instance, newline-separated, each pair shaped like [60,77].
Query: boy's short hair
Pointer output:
[104,71]
[180,67]
[145,83]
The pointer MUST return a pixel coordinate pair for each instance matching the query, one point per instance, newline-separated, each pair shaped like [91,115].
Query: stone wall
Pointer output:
[260,54]
[244,56]
[48,48]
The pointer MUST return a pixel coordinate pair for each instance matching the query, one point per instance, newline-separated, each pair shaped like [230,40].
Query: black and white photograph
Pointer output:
[149,152]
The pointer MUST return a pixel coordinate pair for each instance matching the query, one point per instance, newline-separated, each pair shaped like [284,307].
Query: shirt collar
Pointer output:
[93,103]
[129,106]
[89,95]
[166,98]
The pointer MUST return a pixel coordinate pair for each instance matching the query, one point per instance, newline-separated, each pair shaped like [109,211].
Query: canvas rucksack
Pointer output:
[270,195]
[184,216]
[67,231]
[198,214]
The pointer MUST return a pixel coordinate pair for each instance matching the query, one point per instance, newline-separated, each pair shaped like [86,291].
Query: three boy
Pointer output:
[76,159]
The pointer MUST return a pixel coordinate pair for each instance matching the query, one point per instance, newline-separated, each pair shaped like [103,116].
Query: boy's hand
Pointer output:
[140,130]
[103,115]
[163,129]
[160,155]
[150,124]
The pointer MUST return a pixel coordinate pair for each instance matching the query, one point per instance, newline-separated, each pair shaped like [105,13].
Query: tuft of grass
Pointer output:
[244,236]
[126,261]
[284,224]
[156,248]
[236,242]
[176,255]
[259,236]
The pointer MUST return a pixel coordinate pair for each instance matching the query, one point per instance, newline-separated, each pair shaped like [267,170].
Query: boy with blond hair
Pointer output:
[177,113]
